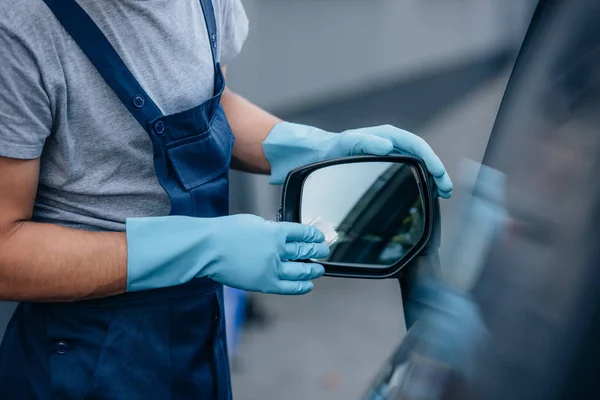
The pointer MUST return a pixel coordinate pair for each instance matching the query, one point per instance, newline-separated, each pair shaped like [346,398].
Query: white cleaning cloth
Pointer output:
[331,236]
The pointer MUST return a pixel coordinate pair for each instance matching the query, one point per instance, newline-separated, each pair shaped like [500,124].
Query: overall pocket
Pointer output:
[75,339]
[110,354]
[156,349]
[201,158]
[193,327]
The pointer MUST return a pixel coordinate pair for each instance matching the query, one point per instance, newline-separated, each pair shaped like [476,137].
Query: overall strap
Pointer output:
[104,57]
[211,26]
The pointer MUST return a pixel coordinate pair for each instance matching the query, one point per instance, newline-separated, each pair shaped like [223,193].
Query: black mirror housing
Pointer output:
[429,242]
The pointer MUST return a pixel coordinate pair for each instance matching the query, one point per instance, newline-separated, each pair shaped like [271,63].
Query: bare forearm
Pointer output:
[44,262]
[250,125]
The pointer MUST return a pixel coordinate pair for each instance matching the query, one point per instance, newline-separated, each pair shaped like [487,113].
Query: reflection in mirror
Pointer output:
[375,208]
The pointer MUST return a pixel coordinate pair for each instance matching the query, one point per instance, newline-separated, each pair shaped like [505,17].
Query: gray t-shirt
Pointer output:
[96,160]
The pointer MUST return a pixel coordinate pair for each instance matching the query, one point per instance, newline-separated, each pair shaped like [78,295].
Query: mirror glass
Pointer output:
[372,210]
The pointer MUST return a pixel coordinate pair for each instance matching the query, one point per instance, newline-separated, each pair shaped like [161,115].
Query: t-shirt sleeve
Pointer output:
[234,29]
[25,112]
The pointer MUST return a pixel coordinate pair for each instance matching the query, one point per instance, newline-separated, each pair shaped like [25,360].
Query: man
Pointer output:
[116,137]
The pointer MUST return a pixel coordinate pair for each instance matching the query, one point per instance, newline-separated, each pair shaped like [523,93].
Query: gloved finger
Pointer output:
[301,233]
[356,143]
[444,195]
[304,251]
[293,287]
[444,184]
[296,271]
[412,144]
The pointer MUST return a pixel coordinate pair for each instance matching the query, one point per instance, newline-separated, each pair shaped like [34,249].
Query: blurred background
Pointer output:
[436,67]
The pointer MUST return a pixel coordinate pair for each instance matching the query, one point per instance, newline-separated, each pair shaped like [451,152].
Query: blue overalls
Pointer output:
[160,344]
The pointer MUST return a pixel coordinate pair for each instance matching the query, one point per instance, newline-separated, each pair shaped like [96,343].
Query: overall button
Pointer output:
[62,347]
[138,101]
[159,127]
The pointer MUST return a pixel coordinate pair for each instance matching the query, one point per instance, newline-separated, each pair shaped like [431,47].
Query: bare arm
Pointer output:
[251,125]
[45,262]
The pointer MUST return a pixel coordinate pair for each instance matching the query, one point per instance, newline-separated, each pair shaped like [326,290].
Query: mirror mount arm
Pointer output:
[426,264]
[410,281]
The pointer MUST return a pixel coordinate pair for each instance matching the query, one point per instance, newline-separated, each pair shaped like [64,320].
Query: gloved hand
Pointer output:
[290,146]
[241,251]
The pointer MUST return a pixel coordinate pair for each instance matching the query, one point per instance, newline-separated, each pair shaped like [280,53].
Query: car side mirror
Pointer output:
[381,212]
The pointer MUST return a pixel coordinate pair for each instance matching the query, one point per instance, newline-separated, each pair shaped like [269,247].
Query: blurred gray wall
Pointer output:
[305,52]
[301,51]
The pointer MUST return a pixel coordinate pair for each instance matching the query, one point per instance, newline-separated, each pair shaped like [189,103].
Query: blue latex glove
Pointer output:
[290,146]
[241,251]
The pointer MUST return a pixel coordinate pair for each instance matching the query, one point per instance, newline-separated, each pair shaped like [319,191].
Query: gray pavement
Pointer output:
[329,344]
